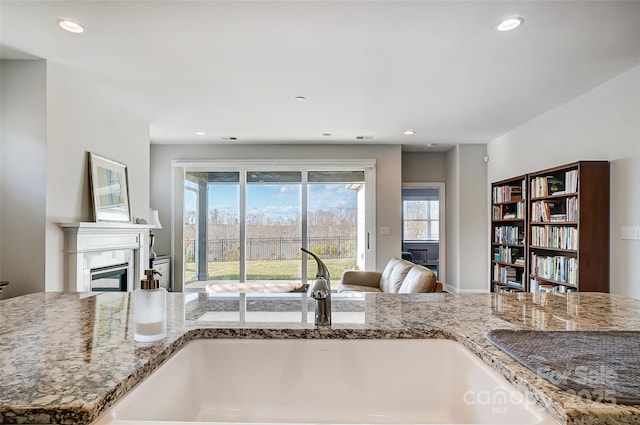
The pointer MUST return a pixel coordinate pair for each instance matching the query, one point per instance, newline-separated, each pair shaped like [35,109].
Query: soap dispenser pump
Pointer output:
[149,309]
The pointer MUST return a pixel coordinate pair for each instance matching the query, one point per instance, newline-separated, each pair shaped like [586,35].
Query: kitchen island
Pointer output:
[67,357]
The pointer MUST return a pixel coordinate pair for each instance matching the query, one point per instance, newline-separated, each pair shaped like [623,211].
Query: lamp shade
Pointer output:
[154,220]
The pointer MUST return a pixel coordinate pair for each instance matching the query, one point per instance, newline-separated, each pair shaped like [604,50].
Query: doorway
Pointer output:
[423,225]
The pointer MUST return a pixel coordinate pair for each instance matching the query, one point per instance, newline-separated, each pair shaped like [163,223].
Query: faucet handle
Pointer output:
[319,289]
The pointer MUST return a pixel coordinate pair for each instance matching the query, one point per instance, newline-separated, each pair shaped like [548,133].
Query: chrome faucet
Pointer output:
[320,290]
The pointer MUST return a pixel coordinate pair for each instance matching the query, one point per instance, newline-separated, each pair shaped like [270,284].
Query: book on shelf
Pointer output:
[558,268]
[496,214]
[539,187]
[510,235]
[505,274]
[556,237]
[515,283]
[571,181]
[508,254]
[572,208]
[548,211]
[507,193]
[554,218]
[555,185]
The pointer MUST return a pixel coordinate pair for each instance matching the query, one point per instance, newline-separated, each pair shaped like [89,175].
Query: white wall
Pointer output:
[452,220]
[467,219]
[50,120]
[601,124]
[22,179]
[422,167]
[474,218]
[79,119]
[388,181]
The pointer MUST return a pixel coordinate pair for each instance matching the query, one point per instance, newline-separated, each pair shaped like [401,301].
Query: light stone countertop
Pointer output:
[66,358]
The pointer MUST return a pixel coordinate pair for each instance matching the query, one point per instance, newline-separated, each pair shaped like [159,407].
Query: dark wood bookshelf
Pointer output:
[591,224]
[578,191]
[509,197]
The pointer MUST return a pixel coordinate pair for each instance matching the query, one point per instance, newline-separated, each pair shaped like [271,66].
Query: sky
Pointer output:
[278,200]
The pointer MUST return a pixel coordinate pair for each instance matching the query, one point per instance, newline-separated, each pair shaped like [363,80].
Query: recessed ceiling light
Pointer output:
[510,23]
[70,26]
[300,98]
[408,132]
[200,133]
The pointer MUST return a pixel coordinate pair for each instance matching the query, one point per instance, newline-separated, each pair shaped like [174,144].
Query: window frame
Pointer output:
[430,221]
[180,167]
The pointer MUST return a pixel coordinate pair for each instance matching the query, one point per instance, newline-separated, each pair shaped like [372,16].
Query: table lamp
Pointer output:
[154,221]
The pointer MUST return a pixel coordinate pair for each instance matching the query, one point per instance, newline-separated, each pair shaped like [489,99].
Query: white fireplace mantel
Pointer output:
[86,241]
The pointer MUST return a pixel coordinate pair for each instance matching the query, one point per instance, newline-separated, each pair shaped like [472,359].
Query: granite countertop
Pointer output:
[66,358]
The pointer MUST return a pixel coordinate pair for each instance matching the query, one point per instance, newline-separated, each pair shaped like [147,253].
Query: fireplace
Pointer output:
[110,278]
[105,256]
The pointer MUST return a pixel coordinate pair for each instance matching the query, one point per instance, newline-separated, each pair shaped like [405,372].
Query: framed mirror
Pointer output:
[109,189]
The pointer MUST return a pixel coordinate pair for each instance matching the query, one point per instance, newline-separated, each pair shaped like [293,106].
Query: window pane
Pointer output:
[274,231]
[416,210]
[435,230]
[274,176]
[332,227]
[415,230]
[434,210]
[215,176]
[336,177]
[223,233]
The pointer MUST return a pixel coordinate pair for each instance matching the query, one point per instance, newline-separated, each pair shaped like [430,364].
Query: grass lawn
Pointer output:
[269,270]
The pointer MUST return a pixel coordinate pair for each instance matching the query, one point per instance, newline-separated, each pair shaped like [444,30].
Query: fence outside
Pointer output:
[273,248]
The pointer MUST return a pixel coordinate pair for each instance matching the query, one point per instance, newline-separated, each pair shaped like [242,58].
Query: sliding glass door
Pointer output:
[248,225]
[335,226]
[211,227]
[273,226]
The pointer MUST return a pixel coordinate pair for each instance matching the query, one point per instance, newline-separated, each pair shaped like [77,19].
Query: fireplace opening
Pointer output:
[110,278]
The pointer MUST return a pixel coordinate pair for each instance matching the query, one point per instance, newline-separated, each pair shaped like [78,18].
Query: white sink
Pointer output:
[287,381]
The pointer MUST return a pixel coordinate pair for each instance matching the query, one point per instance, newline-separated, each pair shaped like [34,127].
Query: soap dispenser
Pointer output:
[149,309]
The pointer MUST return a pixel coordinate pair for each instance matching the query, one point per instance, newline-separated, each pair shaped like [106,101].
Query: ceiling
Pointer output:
[366,68]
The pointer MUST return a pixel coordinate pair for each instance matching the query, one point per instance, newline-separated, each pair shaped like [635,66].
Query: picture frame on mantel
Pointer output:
[109,189]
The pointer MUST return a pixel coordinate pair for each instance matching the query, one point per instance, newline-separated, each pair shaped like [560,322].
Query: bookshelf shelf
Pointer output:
[552,281]
[508,202]
[554,196]
[501,287]
[506,244]
[561,223]
[509,264]
[546,248]
[563,232]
